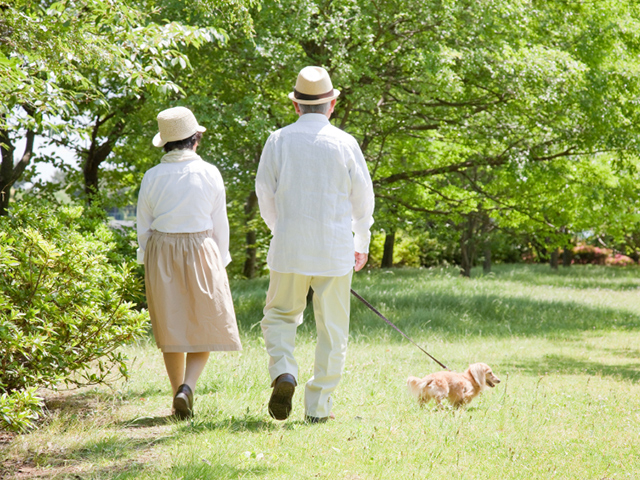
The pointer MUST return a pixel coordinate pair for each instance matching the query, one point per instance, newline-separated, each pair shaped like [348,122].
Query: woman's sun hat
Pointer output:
[313,87]
[177,123]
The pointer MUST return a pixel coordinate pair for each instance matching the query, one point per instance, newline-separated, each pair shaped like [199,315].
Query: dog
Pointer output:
[458,388]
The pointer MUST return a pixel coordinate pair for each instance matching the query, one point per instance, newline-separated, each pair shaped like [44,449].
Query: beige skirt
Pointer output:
[188,294]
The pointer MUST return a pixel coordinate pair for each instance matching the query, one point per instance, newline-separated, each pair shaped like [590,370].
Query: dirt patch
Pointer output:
[105,438]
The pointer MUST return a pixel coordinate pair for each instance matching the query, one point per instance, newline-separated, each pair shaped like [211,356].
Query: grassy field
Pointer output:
[566,345]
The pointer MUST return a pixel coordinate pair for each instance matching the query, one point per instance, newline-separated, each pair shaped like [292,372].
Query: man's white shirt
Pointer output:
[315,193]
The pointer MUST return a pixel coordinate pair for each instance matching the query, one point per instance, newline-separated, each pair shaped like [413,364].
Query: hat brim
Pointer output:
[335,95]
[158,141]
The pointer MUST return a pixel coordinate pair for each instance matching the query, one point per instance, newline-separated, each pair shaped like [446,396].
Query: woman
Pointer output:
[183,237]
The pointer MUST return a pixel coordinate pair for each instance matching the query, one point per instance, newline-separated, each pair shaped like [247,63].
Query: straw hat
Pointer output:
[175,124]
[313,87]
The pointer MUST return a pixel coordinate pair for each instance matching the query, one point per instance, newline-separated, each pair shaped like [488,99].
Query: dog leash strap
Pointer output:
[373,309]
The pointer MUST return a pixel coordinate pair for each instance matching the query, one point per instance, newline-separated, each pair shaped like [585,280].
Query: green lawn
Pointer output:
[566,345]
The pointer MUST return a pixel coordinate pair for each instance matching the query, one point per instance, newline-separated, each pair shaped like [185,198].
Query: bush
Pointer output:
[411,249]
[64,308]
[584,254]
[619,260]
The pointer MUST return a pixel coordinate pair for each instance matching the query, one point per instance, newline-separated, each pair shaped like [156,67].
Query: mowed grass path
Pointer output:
[566,345]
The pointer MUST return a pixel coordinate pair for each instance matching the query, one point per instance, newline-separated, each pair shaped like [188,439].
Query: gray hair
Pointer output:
[322,108]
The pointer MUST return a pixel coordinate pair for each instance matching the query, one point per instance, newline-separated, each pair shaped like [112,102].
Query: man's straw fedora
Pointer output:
[313,87]
[177,123]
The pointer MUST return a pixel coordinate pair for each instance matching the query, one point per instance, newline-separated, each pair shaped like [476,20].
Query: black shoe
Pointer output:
[183,402]
[310,419]
[280,401]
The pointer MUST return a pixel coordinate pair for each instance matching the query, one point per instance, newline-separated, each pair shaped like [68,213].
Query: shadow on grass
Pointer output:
[246,423]
[423,301]
[115,447]
[211,468]
[576,277]
[563,365]
[146,422]
[482,314]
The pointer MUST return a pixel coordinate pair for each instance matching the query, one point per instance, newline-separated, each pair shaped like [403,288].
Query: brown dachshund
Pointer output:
[458,388]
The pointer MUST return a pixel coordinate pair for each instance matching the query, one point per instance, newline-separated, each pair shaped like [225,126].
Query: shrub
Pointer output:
[64,309]
[584,254]
[619,260]
[411,249]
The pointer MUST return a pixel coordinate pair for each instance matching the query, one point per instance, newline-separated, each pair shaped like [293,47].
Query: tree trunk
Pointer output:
[567,256]
[387,254]
[555,255]
[10,173]
[486,265]
[96,154]
[467,246]
[114,123]
[487,227]
[249,269]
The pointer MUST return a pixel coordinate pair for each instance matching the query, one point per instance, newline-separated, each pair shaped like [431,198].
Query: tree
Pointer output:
[454,103]
[80,70]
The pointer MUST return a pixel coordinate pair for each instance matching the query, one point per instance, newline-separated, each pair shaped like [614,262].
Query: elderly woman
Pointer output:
[183,237]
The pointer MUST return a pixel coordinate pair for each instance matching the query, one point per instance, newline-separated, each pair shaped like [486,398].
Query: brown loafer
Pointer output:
[183,402]
[280,401]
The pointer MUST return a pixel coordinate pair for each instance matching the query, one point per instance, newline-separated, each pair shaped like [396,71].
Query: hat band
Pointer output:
[304,96]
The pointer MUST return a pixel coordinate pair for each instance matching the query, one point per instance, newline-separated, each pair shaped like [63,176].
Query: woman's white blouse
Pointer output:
[183,194]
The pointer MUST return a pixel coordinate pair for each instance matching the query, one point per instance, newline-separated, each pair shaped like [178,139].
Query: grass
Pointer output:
[566,345]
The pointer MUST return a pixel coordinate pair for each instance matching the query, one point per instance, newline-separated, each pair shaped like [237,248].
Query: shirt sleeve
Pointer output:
[220,220]
[144,219]
[266,184]
[362,202]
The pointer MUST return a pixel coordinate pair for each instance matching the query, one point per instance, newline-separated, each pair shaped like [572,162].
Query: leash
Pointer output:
[373,309]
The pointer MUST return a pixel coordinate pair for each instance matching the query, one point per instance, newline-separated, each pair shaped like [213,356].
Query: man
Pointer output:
[314,190]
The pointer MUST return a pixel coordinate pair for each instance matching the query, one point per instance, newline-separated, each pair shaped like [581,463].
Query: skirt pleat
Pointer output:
[188,294]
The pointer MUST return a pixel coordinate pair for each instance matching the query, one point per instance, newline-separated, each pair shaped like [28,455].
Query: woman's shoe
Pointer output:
[183,402]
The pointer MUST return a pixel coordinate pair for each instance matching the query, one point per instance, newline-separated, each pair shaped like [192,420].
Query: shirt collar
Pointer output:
[175,156]
[313,117]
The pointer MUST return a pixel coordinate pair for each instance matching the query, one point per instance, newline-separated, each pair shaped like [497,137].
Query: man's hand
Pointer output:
[361,260]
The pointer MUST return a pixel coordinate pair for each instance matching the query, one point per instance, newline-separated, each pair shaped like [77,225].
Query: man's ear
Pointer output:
[333,105]
[297,107]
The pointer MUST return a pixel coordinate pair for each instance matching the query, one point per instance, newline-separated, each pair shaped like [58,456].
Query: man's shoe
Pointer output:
[183,402]
[280,401]
[310,419]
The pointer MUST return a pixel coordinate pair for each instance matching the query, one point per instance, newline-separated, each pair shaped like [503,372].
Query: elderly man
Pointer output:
[315,193]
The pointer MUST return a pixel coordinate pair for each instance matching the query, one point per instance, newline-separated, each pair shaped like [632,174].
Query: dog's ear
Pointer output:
[478,372]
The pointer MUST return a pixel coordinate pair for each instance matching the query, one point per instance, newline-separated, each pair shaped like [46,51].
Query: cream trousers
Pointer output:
[286,301]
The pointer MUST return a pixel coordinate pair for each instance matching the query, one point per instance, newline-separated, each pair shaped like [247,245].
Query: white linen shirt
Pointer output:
[314,190]
[183,194]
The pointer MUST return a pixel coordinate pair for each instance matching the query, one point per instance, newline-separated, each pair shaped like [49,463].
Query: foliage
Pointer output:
[78,73]
[63,56]
[19,409]
[482,120]
[483,113]
[63,306]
